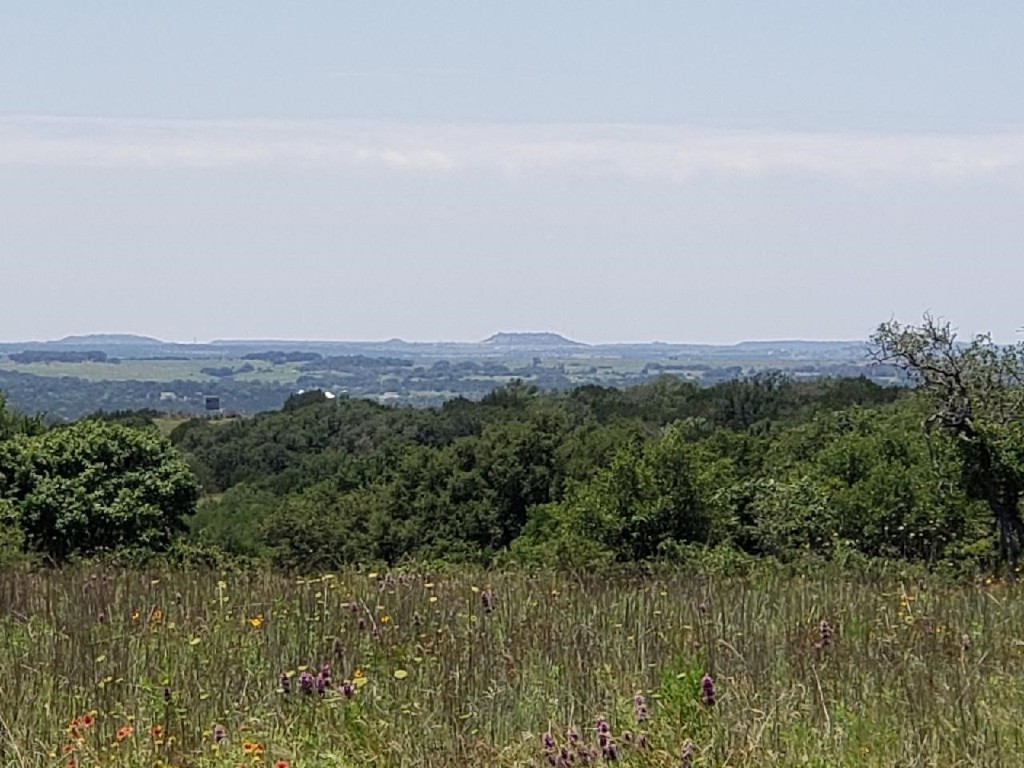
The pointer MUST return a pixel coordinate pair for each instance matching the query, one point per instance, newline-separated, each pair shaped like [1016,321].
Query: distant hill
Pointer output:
[102,339]
[531,340]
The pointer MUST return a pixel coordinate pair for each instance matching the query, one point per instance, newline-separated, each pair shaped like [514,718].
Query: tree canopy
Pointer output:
[92,487]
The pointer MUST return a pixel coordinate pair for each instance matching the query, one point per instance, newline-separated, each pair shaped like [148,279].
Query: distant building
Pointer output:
[211,403]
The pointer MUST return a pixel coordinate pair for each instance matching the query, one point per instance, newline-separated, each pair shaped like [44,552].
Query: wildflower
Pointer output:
[627,736]
[220,734]
[825,632]
[361,624]
[87,720]
[486,602]
[156,731]
[124,732]
[703,607]
[348,690]
[610,752]
[602,733]
[965,642]
[285,682]
[102,618]
[686,756]
[572,735]
[339,648]
[707,690]
[641,741]
[282,764]
[306,682]
[325,672]
[256,622]
[548,741]
[640,708]
[321,685]
[385,618]
[249,747]
[156,616]
[416,619]
[135,615]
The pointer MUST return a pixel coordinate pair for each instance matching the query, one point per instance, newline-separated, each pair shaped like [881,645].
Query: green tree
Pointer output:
[93,487]
[976,396]
[13,423]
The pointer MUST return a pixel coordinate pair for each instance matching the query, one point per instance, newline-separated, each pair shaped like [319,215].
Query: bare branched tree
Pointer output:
[977,398]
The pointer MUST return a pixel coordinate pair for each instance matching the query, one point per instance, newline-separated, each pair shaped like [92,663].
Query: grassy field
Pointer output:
[493,669]
[156,370]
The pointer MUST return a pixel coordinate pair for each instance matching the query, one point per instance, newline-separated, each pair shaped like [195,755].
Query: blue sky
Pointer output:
[429,170]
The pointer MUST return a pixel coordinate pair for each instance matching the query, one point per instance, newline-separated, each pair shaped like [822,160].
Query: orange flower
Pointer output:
[282,764]
[87,720]
[156,731]
[124,732]
[248,747]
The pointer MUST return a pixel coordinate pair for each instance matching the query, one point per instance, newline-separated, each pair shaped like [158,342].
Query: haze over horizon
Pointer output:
[679,172]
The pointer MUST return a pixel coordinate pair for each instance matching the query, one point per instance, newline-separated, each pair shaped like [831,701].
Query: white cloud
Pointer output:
[667,153]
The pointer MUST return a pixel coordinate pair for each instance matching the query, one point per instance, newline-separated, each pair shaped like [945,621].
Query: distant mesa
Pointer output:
[531,340]
[108,338]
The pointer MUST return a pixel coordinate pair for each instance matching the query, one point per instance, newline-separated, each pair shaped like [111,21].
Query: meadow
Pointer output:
[457,668]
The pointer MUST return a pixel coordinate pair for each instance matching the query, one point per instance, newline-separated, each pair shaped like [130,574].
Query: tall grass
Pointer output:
[472,668]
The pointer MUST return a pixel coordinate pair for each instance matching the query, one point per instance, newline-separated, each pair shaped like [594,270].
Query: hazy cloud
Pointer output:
[666,153]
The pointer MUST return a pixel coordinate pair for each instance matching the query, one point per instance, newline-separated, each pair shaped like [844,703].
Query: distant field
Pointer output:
[155,370]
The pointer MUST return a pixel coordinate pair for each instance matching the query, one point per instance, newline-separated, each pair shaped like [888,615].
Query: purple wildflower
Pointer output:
[707,690]
[320,684]
[825,631]
[640,708]
[348,690]
[325,672]
[610,752]
[486,602]
[306,682]
[548,741]
[220,734]
[285,682]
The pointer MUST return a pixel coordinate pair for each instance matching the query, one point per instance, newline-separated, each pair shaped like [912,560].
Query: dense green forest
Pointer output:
[762,466]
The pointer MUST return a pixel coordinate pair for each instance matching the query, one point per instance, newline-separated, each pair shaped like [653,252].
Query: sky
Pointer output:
[429,170]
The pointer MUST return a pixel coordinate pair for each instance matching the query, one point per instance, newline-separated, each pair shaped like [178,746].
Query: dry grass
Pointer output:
[474,669]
